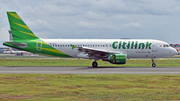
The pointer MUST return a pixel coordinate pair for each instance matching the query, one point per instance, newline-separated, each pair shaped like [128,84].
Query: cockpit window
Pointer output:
[166,45]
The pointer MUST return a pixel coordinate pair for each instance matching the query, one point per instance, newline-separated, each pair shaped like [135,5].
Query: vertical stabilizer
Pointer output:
[20,31]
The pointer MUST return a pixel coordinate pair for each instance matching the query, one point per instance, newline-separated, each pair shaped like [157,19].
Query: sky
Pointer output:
[96,19]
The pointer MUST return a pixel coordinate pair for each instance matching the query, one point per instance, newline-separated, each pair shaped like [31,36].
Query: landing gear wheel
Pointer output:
[94,64]
[153,65]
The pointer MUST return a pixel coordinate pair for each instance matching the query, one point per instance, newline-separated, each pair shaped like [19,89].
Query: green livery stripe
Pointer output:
[14,15]
[46,50]
[23,26]
[28,33]
[44,43]
[53,50]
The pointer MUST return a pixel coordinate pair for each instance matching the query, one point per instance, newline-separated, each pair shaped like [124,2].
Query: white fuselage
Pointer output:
[134,48]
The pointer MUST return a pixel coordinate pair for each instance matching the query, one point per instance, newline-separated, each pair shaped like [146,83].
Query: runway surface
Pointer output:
[89,70]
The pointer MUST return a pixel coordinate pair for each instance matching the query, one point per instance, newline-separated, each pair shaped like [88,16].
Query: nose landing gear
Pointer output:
[153,63]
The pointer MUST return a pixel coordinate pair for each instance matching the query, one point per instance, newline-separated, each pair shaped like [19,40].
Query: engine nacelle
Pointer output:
[118,58]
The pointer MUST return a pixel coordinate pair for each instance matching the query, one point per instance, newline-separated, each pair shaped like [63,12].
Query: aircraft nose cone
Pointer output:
[174,52]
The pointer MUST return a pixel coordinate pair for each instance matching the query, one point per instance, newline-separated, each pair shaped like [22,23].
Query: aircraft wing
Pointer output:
[93,52]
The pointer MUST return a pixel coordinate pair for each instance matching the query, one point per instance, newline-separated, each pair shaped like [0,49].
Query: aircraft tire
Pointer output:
[153,65]
[94,64]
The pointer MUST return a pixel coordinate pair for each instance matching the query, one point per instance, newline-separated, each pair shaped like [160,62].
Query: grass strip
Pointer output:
[85,62]
[100,87]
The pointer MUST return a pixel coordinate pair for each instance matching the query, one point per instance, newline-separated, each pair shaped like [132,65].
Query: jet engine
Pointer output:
[117,58]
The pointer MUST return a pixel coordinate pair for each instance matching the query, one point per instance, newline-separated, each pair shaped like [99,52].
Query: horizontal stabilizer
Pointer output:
[22,45]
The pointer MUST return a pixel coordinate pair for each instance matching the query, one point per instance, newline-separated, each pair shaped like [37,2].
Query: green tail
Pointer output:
[25,39]
[19,29]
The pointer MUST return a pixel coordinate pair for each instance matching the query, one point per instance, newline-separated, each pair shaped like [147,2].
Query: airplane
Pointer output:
[115,51]
[10,51]
[19,53]
[5,51]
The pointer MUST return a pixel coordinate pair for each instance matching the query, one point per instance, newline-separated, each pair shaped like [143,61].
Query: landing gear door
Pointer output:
[154,47]
[39,46]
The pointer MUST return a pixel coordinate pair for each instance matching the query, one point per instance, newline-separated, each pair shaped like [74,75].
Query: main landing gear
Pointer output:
[153,63]
[94,64]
